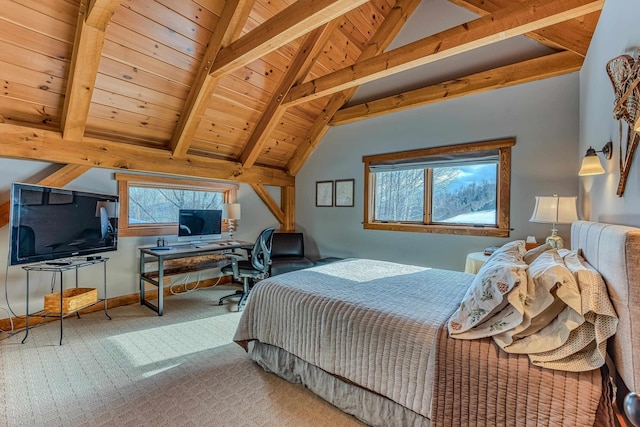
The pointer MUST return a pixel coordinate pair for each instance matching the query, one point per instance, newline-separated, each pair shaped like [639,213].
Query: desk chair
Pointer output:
[254,269]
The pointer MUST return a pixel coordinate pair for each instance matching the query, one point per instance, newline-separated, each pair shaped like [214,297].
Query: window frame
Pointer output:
[503,184]
[125,181]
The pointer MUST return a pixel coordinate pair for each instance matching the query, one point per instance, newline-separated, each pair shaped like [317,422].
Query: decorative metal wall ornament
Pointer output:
[624,72]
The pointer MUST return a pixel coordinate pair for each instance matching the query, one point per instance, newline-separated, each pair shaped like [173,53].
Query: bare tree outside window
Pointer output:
[399,195]
[161,205]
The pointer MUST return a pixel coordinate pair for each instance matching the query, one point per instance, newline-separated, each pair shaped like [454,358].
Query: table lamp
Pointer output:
[231,212]
[555,210]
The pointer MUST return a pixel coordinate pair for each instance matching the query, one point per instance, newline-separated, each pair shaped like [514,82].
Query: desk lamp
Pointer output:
[555,210]
[231,212]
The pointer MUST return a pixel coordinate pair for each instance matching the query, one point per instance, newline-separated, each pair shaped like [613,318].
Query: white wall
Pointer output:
[122,267]
[543,116]
[618,33]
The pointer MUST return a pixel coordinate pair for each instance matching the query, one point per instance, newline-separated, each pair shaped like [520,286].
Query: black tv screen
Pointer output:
[51,223]
[199,224]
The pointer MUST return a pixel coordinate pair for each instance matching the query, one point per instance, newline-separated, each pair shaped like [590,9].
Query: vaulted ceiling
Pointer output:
[241,90]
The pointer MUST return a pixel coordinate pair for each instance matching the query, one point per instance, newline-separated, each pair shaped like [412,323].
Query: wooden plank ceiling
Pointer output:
[240,90]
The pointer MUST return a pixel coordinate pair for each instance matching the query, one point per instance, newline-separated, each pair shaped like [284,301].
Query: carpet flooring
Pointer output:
[140,369]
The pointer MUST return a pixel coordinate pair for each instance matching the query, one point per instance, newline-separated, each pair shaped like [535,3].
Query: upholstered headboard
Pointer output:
[614,250]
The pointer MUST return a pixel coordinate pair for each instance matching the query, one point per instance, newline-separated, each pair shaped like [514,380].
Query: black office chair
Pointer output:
[254,269]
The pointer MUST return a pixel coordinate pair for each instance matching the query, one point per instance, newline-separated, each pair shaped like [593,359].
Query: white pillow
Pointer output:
[534,253]
[553,306]
[509,252]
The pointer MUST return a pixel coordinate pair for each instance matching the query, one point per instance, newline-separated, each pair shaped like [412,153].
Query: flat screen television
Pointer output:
[52,223]
[199,225]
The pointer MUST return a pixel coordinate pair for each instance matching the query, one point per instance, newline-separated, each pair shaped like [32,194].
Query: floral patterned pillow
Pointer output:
[488,306]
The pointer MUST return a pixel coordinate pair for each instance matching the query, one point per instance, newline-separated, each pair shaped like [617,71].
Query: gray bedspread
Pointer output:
[339,317]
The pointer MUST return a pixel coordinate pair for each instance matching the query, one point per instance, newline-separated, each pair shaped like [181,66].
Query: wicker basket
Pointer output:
[72,299]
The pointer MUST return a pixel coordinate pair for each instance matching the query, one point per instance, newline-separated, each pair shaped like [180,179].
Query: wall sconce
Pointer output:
[591,163]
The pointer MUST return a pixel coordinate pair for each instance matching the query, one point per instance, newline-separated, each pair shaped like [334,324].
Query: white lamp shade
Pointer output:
[591,166]
[231,211]
[555,210]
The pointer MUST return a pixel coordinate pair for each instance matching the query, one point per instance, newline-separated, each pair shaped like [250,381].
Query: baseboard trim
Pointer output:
[19,322]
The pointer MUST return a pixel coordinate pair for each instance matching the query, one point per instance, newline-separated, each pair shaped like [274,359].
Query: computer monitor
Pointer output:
[199,225]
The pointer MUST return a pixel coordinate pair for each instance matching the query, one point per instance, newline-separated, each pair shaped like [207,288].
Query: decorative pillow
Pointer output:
[550,288]
[534,253]
[486,309]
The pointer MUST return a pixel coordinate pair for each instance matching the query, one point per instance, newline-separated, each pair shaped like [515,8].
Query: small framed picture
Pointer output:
[324,193]
[344,192]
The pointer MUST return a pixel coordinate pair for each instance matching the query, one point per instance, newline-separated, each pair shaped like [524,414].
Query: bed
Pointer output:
[371,338]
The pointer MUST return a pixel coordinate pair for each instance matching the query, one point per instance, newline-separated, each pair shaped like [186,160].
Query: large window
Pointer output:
[149,205]
[460,189]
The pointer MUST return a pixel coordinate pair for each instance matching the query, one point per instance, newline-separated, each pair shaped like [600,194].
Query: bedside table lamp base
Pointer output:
[554,240]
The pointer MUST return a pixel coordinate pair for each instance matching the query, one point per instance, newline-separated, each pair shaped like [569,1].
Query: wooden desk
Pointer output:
[180,259]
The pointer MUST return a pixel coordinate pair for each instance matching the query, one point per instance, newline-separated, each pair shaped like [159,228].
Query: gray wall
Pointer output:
[618,33]
[543,116]
[122,268]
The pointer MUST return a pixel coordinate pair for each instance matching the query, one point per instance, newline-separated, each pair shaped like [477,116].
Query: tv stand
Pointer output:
[61,267]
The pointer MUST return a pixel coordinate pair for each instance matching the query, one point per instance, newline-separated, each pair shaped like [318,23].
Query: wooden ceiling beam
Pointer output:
[503,24]
[64,175]
[288,203]
[552,65]
[573,34]
[59,178]
[36,144]
[306,55]
[387,31]
[93,20]
[293,22]
[232,19]
[271,204]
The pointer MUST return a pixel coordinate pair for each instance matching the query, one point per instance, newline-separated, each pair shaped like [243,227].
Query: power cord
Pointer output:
[9,310]
[184,283]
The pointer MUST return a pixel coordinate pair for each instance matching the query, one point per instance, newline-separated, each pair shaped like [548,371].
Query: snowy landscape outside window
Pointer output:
[459,189]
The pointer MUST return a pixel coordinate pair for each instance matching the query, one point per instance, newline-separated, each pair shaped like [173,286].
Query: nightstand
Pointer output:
[475,260]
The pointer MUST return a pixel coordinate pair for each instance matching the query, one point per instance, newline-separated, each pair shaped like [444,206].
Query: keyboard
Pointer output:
[222,244]
[208,245]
